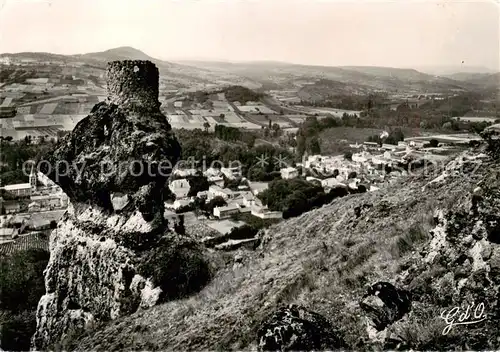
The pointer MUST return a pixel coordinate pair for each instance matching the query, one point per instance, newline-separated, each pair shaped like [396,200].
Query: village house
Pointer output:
[257,187]
[417,144]
[180,188]
[371,145]
[181,203]
[216,191]
[330,183]
[389,147]
[185,172]
[289,173]
[265,213]
[231,172]
[49,201]
[217,180]
[226,211]
[34,207]
[7,234]
[360,157]
[22,190]
[211,172]
[10,206]
[202,194]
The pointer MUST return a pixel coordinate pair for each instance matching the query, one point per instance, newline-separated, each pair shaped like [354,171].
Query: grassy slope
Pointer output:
[323,259]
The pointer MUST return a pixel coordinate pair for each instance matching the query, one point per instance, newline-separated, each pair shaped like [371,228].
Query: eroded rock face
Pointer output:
[295,328]
[113,166]
[385,304]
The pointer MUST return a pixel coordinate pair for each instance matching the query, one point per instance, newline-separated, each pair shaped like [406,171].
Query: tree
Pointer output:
[313,146]
[215,202]
[301,144]
[347,156]
[206,126]
[197,184]
[222,116]
[352,174]
[270,124]
[276,129]
[434,143]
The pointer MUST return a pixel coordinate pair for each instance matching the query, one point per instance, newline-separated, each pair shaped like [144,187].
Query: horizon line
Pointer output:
[181,59]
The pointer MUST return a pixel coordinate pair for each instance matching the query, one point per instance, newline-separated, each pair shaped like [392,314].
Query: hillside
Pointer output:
[414,234]
[489,81]
[276,75]
[121,53]
[176,73]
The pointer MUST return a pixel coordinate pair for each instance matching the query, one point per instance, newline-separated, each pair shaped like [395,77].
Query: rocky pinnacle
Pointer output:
[133,84]
[120,156]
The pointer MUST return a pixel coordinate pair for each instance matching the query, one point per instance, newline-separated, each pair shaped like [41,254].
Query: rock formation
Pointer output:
[105,254]
[295,328]
[385,304]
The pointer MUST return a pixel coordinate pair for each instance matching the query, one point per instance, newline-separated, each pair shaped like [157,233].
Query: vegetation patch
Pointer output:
[21,286]
[179,268]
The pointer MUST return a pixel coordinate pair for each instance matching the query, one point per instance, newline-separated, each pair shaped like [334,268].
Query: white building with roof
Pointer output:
[257,187]
[289,173]
[265,213]
[19,189]
[226,211]
[330,182]
[216,191]
[217,180]
[180,188]
[231,172]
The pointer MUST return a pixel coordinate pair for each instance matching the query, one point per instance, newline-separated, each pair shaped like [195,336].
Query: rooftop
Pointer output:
[17,186]
[228,207]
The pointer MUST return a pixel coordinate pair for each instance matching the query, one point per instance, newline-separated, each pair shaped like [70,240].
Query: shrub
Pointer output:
[21,286]
[21,279]
[16,330]
[405,243]
[178,268]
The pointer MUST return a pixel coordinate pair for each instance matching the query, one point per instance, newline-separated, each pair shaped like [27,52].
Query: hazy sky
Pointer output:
[400,33]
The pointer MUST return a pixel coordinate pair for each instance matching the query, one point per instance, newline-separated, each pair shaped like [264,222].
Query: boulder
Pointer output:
[385,304]
[295,328]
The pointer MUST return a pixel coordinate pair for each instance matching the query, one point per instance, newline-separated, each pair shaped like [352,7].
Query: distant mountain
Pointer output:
[467,76]
[391,72]
[489,81]
[347,79]
[375,78]
[174,72]
[121,53]
[453,69]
